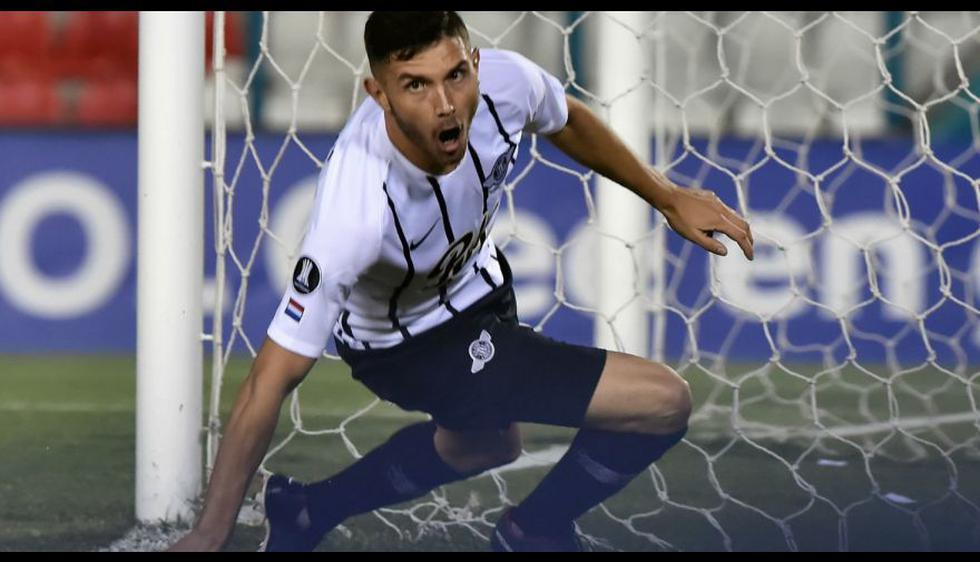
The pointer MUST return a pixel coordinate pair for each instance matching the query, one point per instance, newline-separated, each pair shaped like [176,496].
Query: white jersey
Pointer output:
[392,251]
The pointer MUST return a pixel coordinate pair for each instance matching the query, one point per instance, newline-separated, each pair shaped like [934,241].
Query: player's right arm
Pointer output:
[275,372]
[343,238]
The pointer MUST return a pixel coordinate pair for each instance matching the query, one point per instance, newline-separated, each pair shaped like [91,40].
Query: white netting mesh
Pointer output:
[868,410]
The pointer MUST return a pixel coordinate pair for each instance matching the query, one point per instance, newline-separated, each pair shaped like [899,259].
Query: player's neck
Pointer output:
[416,156]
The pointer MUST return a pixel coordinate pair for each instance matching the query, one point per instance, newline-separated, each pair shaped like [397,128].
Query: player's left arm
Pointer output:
[693,213]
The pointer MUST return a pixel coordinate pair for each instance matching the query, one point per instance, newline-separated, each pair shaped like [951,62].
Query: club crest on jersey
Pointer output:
[306,276]
[481,351]
[499,171]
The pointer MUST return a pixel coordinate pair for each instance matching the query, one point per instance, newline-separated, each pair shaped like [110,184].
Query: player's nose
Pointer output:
[444,104]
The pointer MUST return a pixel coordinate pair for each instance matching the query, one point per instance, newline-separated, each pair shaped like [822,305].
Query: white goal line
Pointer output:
[756,430]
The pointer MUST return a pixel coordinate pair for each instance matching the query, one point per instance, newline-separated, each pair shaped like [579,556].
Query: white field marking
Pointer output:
[760,431]
[95,408]
[898,498]
[751,429]
[65,407]
[551,455]
[543,457]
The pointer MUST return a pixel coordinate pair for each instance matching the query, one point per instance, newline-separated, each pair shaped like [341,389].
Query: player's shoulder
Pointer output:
[350,185]
[511,80]
[509,74]
[359,161]
[360,149]
[505,65]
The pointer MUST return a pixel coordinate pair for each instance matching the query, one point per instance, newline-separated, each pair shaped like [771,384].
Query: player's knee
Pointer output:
[671,402]
[485,455]
[504,451]
[506,454]
[488,459]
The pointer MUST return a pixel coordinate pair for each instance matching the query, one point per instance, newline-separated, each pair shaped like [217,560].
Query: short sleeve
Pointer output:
[548,107]
[523,94]
[343,239]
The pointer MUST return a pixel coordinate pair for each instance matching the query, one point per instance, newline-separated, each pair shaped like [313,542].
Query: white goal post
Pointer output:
[170,265]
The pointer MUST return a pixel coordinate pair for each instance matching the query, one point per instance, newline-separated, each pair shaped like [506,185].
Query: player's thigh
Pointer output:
[478,449]
[536,379]
[638,395]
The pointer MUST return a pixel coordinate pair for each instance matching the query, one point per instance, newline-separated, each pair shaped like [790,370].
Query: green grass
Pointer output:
[67,437]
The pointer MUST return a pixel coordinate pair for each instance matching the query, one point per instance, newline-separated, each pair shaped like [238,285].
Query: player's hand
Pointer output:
[696,214]
[196,541]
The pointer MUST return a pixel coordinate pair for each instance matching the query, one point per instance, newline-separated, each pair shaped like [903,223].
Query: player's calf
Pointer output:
[638,411]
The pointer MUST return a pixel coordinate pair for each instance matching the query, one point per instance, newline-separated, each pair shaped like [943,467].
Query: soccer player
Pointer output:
[398,266]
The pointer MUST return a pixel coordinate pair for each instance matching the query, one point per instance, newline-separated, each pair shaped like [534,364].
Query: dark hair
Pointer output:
[403,34]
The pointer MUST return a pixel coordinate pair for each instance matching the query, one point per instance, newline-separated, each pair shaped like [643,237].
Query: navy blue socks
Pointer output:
[597,465]
[405,467]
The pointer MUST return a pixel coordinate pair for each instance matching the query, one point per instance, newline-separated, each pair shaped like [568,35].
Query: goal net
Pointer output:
[834,377]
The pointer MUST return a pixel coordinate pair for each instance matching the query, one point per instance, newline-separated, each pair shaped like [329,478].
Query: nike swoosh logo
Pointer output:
[412,246]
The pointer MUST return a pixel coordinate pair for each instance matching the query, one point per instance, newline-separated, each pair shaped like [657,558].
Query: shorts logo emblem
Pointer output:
[481,351]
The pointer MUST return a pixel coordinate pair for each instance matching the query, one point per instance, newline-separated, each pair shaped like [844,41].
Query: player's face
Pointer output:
[429,101]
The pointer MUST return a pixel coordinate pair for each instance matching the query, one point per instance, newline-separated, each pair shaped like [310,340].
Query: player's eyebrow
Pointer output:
[407,76]
[460,66]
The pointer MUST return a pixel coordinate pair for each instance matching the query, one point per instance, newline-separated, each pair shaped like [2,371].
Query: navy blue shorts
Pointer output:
[482,370]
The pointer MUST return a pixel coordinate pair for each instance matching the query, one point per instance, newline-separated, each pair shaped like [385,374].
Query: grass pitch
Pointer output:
[67,455]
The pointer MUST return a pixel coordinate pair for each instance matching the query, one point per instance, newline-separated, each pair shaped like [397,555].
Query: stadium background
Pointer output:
[68,93]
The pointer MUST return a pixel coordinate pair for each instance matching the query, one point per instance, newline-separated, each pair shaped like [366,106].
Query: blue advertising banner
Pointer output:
[870,252]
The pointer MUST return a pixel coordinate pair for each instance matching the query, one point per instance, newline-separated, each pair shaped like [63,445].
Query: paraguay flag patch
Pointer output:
[294,310]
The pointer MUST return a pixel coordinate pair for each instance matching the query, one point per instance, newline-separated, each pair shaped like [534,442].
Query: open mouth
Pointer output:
[449,138]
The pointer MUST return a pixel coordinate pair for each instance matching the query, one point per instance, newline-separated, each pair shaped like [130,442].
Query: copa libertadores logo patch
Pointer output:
[306,276]
[481,351]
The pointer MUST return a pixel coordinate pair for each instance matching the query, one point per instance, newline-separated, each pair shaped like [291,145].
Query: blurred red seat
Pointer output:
[234,36]
[110,103]
[29,103]
[25,45]
[99,45]
[119,33]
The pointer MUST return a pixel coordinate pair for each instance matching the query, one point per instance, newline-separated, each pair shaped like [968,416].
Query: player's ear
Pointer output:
[475,57]
[373,88]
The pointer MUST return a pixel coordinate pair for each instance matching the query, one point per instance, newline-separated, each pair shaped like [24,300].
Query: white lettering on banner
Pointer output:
[288,220]
[975,270]
[209,296]
[107,236]
[765,286]
[580,277]
[527,241]
[759,287]
[898,265]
